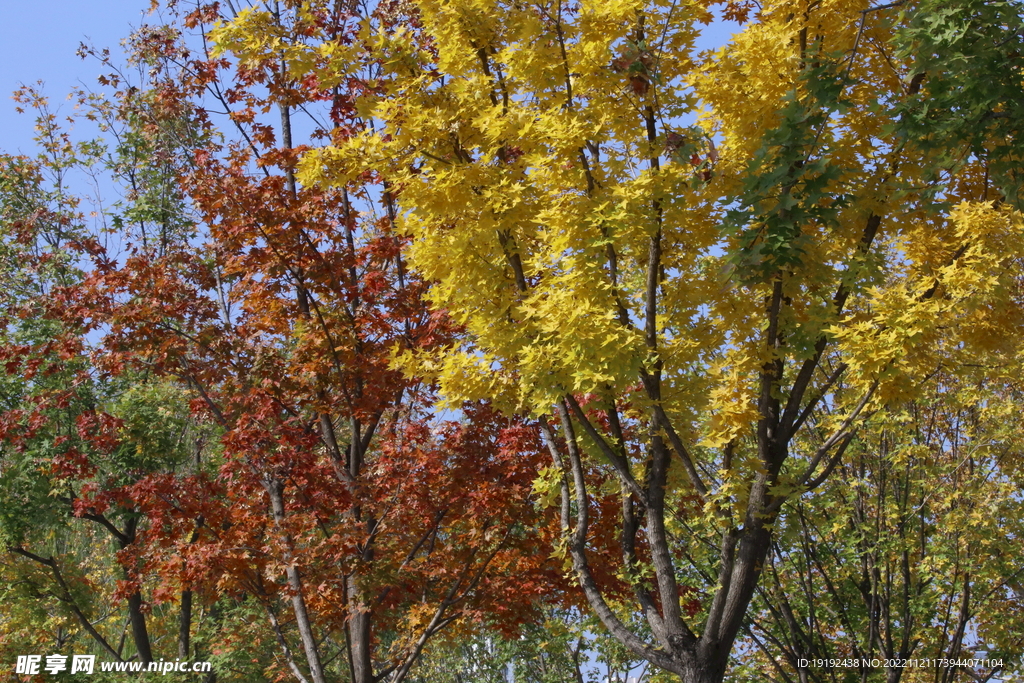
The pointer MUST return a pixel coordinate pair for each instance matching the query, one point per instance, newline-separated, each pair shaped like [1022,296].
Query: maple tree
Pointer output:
[359,521]
[40,384]
[699,274]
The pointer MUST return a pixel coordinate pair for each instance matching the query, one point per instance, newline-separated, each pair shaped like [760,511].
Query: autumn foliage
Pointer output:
[326,488]
[420,324]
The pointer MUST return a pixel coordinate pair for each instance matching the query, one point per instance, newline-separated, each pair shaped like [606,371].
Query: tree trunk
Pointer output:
[275,490]
[359,635]
[185,624]
[138,622]
[136,617]
[705,670]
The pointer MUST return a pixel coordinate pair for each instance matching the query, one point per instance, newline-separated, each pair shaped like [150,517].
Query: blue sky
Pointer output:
[38,40]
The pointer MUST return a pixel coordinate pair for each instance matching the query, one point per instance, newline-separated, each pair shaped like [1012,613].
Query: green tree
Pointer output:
[78,435]
[905,554]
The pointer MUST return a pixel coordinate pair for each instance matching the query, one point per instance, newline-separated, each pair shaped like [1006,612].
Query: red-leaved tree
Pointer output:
[357,514]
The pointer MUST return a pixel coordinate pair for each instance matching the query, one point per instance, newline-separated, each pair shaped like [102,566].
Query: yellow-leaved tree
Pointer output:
[699,272]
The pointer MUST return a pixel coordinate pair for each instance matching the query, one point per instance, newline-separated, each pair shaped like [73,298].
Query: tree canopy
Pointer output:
[480,314]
